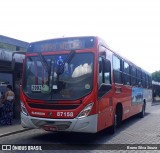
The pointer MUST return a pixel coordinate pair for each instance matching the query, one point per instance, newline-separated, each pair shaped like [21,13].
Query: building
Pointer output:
[12,44]
[12,53]
[8,46]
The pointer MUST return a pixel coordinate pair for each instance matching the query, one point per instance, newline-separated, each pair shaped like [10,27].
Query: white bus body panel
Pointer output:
[86,124]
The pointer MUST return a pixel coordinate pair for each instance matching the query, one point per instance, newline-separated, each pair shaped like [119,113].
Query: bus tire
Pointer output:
[118,116]
[142,113]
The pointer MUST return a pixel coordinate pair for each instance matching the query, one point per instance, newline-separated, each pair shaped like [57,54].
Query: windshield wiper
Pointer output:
[60,68]
[53,78]
[44,62]
[55,84]
[47,87]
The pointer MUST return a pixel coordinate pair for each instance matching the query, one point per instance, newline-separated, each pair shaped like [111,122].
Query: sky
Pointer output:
[129,27]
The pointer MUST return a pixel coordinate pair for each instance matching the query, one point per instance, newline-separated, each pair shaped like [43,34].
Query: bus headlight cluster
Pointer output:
[85,112]
[23,109]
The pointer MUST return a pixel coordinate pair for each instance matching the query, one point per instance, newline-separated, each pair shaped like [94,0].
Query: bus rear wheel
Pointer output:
[142,113]
[118,116]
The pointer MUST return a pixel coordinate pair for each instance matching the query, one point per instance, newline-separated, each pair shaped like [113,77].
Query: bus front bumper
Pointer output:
[87,124]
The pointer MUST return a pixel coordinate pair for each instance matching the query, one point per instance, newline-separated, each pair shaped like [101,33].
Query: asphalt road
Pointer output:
[133,131]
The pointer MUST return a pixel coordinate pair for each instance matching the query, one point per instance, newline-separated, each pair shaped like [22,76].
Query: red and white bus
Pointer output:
[78,84]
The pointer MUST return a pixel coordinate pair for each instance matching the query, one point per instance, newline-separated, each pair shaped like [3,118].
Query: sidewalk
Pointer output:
[17,128]
[156,100]
[155,103]
[12,129]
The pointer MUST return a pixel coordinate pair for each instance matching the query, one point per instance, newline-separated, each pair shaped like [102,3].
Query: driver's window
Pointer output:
[104,76]
[104,71]
[107,71]
[100,76]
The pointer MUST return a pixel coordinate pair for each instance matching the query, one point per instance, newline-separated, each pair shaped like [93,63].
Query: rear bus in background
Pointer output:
[78,84]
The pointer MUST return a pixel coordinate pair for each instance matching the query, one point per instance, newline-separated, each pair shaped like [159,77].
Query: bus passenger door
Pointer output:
[105,109]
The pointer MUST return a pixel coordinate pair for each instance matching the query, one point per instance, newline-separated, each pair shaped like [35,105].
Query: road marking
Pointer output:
[15,132]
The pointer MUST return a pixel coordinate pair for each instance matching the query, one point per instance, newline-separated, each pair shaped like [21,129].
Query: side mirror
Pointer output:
[100,64]
[107,66]
[100,67]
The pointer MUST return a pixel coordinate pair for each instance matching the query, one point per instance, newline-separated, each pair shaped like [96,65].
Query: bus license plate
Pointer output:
[49,128]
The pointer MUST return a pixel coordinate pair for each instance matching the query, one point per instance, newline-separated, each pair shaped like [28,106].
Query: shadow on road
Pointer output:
[84,138]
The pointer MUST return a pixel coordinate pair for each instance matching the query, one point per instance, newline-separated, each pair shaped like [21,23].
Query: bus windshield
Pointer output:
[58,77]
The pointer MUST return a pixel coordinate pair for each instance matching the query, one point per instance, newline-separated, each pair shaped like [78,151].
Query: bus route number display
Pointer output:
[66,45]
[36,88]
[62,44]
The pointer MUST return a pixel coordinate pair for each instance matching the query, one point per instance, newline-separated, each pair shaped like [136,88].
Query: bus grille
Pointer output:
[60,125]
[56,107]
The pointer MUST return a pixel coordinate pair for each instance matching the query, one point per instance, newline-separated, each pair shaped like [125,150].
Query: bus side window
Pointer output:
[117,66]
[104,76]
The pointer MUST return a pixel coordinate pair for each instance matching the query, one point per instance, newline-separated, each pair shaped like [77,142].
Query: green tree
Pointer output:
[156,76]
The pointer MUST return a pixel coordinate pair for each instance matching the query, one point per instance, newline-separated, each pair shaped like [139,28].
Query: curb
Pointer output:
[155,103]
[14,132]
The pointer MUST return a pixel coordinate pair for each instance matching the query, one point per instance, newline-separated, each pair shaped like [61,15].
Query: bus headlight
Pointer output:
[85,111]
[23,109]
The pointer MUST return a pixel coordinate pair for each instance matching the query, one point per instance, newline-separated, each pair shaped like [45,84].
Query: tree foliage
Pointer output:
[156,76]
